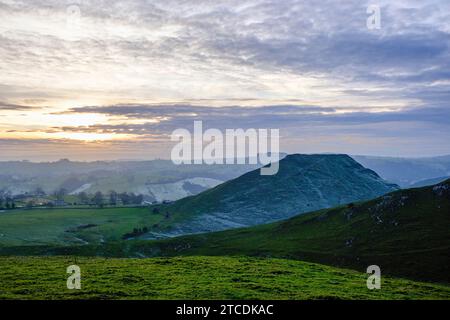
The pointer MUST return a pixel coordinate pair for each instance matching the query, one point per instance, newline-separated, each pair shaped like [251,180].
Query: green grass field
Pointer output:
[65,226]
[197,278]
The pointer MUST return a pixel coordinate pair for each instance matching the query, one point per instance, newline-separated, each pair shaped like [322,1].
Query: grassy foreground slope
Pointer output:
[197,278]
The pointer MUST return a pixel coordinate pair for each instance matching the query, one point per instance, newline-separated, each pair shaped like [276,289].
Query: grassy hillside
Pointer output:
[72,226]
[406,233]
[198,278]
[303,183]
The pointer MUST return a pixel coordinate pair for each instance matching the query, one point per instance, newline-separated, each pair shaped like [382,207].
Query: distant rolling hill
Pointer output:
[408,172]
[304,183]
[157,180]
[428,182]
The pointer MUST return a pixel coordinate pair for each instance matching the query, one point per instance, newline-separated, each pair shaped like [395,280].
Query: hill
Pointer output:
[406,172]
[428,182]
[157,180]
[191,278]
[303,183]
[406,233]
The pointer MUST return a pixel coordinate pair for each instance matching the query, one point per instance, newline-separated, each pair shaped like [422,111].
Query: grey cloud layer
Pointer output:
[285,117]
[413,132]
[14,107]
[327,39]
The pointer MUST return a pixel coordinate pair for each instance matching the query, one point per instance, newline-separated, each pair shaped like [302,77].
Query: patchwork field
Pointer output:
[198,278]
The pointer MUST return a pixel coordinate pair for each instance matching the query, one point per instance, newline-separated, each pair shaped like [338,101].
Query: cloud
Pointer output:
[15,107]
[163,119]
[141,110]
[178,50]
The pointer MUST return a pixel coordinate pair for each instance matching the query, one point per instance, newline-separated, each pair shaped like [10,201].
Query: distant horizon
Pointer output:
[168,159]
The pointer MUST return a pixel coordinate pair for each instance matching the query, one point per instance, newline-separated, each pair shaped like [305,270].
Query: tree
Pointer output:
[39,192]
[125,198]
[113,198]
[84,199]
[9,203]
[138,199]
[98,199]
[60,193]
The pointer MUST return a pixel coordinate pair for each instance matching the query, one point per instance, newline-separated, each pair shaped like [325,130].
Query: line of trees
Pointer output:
[7,203]
[136,232]
[113,198]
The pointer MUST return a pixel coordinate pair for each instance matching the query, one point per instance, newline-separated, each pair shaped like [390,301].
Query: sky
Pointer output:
[103,80]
